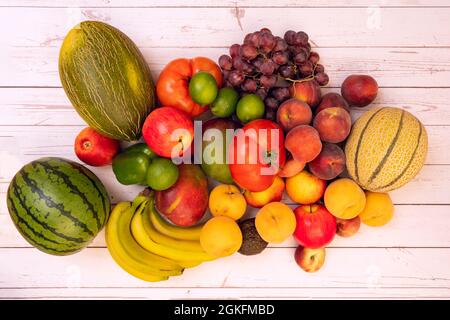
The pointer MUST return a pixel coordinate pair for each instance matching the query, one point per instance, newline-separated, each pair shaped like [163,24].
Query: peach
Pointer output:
[359,90]
[329,163]
[292,113]
[333,124]
[306,91]
[275,222]
[303,142]
[347,227]
[344,198]
[378,210]
[310,260]
[332,100]
[260,199]
[291,168]
[305,188]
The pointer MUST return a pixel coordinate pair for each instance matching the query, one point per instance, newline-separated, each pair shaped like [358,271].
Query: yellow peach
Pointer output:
[275,222]
[344,198]
[378,210]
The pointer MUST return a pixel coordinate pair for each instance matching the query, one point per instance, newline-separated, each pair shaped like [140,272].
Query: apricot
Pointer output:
[275,222]
[292,113]
[379,209]
[344,198]
[332,100]
[303,142]
[359,90]
[305,188]
[306,91]
[329,163]
[221,237]
[333,124]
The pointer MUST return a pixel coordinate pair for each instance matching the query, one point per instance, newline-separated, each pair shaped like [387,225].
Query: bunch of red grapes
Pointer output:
[268,65]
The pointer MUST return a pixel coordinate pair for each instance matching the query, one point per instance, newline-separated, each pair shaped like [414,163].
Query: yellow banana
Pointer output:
[191,233]
[188,245]
[128,254]
[189,263]
[144,239]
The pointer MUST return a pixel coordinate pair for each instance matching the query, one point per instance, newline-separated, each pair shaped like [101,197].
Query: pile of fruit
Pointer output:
[266,132]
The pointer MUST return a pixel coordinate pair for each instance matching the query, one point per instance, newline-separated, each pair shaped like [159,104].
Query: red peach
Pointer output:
[359,90]
[292,113]
[347,227]
[303,142]
[306,91]
[332,100]
[333,124]
[329,163]
[291,168]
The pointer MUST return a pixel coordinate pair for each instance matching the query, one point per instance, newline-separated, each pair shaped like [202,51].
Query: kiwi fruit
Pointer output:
[252,243]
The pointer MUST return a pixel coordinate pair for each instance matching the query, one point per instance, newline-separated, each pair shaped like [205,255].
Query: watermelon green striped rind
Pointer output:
[106,79]
[57,205]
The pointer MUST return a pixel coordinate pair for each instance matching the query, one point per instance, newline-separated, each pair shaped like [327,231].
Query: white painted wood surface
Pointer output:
[405,44]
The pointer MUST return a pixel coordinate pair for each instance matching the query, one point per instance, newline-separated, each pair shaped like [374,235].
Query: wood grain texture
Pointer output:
[226,3]
[404,44]
[392,67]
[218,27]
[274,268]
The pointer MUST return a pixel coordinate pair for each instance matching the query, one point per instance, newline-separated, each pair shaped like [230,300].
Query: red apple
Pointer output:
[186,201]
[256,155]
[310,260]
[168,132]
[94,149]
[316,226]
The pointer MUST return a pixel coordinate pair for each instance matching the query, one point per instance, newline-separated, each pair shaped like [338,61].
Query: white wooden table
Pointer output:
[404,44]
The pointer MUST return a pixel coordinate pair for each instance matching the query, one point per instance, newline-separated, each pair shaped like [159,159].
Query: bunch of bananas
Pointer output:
[147,246]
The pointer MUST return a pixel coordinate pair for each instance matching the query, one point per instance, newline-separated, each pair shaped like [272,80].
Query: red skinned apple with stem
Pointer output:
[316,226]
[168,132]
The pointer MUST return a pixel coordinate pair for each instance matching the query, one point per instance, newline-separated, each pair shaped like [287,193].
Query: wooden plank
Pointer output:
[50,106]
[212,27]
[392,67]
[273,268]
[224,3]
[413,226]
[225,293]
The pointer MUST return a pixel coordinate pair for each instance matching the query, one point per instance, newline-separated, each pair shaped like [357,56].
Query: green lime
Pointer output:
[143,148]
[162,174]
[203,88]
[250,107]
[225,103]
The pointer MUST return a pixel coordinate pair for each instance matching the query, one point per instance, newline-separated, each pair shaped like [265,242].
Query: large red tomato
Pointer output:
[256,155]
[172,87]
[316,226]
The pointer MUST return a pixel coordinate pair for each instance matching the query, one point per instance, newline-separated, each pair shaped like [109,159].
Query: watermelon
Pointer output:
[57,205]
[106,79]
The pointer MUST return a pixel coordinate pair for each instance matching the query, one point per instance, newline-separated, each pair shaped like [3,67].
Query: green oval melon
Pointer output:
[57,205]
[106,79]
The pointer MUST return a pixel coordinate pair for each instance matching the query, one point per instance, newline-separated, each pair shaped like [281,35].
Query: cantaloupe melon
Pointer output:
[386,149]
